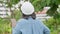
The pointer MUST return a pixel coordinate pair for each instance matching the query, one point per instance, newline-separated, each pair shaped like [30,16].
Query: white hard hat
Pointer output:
[27,8]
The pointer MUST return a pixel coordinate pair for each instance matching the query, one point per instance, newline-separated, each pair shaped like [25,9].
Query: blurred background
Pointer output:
[47,11]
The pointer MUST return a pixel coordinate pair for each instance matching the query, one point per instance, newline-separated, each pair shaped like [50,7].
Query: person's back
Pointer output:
[30,26]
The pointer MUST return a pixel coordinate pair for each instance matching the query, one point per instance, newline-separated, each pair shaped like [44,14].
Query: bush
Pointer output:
[54,32]
[53,24]
[5,26]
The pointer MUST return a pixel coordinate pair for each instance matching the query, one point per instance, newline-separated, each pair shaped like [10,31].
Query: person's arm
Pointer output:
[46,30]
[16,30]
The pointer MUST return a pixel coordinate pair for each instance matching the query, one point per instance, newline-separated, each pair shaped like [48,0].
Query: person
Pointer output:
[29,24]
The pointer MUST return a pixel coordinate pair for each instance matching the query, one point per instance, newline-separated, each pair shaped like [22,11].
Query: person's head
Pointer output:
[28,10]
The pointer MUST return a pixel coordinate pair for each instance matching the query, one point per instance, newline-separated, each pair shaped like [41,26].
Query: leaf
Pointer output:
[57,2]
[48,2]
[53,10]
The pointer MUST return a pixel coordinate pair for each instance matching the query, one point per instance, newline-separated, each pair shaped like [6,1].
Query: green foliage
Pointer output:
[38,4]
[17,14]
[53,10]
[5,26]
[50,23]
[14,1]
[57,2]
[3,20]
[54,32]
[53,24]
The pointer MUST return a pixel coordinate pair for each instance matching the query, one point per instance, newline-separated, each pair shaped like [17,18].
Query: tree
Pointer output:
[39,4]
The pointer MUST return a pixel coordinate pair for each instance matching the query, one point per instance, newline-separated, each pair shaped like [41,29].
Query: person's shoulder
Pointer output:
[21,21]
[39,21]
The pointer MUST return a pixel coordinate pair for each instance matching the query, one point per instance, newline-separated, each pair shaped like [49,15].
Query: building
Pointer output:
[42,15]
